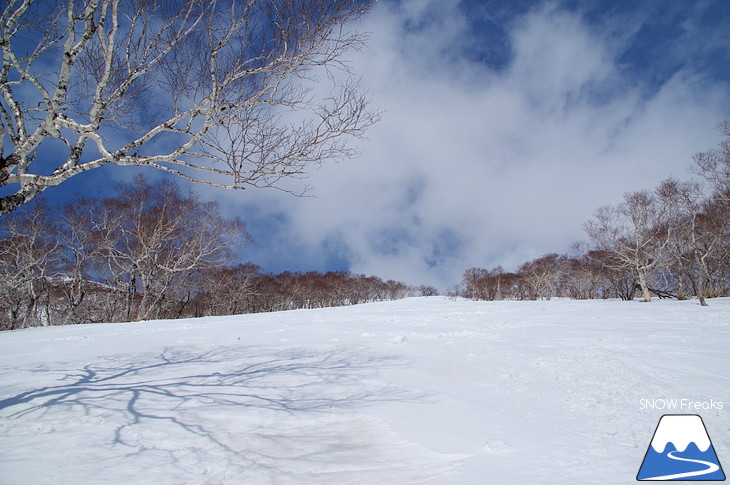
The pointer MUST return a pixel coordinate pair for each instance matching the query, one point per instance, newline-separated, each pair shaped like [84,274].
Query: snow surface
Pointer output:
[424,390]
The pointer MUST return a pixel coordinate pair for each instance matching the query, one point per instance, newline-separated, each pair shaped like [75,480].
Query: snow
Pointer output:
[422,390]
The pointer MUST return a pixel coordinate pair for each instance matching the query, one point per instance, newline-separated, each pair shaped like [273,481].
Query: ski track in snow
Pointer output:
[424,390]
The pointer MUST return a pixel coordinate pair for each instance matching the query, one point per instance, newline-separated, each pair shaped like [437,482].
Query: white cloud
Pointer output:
[475,167]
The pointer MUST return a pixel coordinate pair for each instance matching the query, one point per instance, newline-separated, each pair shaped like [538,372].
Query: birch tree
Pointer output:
[217,92]
[542,275]
[76,236]
[152,239]
[697,230]
[714,164]
[29,260]
[631,233]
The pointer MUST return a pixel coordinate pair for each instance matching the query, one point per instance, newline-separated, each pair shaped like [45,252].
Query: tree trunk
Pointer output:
[646,294]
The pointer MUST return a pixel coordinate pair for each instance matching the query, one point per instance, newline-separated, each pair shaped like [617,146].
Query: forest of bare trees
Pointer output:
[147,252]
[229,94]
[671,242]
[152,250]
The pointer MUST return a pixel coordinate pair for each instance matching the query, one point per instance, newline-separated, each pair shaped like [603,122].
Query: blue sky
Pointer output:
[505,125]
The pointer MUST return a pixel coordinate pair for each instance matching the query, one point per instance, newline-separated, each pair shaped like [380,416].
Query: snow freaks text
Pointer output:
[684,405]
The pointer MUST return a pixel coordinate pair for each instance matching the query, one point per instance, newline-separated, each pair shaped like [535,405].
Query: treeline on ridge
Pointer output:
[672,242]
[149,252]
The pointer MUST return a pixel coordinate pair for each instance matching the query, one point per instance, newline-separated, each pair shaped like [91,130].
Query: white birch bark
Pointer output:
[205,90]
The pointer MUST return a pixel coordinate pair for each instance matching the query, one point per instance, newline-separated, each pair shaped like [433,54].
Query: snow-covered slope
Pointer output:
[424,390]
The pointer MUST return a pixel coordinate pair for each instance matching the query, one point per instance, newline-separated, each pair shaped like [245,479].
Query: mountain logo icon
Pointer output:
[680,450]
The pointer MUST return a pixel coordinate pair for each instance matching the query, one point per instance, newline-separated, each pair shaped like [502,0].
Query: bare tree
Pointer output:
[152,239]
[29,260]
[494,284]
[477,284]
[631,233]
[696,228]
[621,279]
[542,275]
[228,291]
[217,92]
[681,203]
[428,290]
[76,236]
[714,164]
[583,277]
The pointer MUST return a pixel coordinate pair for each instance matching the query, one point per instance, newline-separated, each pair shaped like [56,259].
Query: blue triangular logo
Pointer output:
[681,450]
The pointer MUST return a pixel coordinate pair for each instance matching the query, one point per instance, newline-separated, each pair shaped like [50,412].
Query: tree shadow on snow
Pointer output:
[177,392]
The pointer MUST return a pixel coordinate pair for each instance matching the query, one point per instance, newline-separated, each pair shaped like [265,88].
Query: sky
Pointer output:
[505,124]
